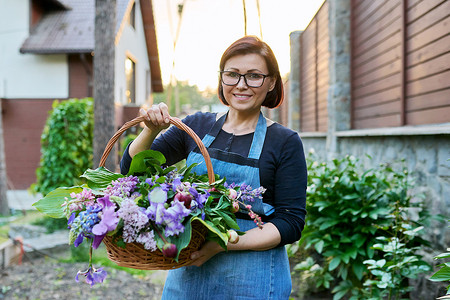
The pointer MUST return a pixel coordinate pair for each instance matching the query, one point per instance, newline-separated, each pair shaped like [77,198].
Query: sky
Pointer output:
[208,27]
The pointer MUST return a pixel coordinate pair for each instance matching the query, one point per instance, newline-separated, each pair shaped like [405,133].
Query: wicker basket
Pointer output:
[134,255]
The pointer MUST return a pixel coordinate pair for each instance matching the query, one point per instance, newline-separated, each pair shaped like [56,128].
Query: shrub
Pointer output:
[66,145]
[359,230]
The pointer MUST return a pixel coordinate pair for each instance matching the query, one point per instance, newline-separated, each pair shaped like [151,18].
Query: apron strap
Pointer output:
[258,138]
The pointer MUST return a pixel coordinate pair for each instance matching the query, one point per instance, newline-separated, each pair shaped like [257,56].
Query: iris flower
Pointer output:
[92,275]
[109,219]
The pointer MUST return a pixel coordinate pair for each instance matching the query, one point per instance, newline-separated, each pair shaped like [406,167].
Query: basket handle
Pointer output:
[172,120]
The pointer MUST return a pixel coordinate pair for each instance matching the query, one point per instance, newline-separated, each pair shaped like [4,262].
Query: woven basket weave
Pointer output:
[134,255]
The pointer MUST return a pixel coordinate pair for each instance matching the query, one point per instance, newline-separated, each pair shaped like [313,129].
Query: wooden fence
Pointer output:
[400,65]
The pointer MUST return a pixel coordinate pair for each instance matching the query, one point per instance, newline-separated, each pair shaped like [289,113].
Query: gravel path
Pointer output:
[46,278]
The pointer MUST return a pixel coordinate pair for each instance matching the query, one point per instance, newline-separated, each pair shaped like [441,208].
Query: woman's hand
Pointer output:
[157,117]
[208,250]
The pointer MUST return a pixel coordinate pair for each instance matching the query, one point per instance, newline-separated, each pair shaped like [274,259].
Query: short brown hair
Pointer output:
[250,45]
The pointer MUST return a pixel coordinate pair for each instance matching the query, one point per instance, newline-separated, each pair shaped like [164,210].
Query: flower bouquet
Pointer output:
[152,218]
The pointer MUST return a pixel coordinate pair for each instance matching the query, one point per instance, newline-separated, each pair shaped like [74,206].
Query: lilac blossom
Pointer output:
[134,220]
[85,197]
[247,193]
[92,275]
[123,187]
[147,239]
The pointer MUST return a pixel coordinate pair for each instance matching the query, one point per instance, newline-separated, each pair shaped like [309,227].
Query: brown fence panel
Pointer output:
[400,62]
[376,63]
[428,63]
[314,74]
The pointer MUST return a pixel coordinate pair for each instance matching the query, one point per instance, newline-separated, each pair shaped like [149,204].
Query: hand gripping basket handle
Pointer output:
[175,121]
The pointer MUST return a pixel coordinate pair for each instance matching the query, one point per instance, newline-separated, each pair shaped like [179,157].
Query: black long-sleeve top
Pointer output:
[282,166]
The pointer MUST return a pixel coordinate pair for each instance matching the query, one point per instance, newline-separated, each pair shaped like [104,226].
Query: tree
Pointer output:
[4,208]
[190,97]
[104,51]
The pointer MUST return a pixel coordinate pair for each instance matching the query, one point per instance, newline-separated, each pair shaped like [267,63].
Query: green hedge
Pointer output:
[66,145]
[360,241]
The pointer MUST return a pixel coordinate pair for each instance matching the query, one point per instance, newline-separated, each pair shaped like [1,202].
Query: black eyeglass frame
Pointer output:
[245,79]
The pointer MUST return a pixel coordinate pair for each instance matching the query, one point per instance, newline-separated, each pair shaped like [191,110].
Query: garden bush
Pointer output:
[362,232]
[66,145]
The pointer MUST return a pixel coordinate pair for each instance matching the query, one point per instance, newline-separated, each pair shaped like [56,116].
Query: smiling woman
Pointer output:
[248,150]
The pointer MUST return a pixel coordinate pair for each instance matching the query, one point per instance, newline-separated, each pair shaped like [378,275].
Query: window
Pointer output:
[130,76]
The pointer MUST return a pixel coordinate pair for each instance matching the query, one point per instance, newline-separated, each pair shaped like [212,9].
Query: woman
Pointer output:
[245,147]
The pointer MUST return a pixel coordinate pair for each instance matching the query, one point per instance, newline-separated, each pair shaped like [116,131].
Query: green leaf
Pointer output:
[319,246]
[228,220]
[214,230]
[441,275]
[339,295]
[442,255]
[138,162]
[334,263]
[358,269]
[328,224]
[50,205]
[100,177]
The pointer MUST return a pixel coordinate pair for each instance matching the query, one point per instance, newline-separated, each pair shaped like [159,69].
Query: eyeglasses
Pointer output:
[251,79]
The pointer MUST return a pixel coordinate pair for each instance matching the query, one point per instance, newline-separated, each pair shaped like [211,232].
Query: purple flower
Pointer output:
[176,183]
[173,218]
[148,240]
[108,222]
[134,219]
[123,187]
[82,225]
[92,276]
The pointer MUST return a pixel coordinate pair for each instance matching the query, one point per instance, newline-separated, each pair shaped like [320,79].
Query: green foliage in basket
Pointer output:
[152,205]
[359,234]
[66,145]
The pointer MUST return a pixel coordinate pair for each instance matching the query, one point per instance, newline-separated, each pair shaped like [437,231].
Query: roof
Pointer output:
[69,28]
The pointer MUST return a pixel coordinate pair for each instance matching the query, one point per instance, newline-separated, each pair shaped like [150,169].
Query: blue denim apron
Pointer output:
[234,274]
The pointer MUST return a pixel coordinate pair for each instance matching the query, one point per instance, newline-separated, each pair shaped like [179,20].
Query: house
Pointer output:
[373,77]
[46,53]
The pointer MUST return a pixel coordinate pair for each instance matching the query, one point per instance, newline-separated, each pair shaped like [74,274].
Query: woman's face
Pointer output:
[241,97]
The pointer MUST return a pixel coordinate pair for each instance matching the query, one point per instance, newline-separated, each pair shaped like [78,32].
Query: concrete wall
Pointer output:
[426,156]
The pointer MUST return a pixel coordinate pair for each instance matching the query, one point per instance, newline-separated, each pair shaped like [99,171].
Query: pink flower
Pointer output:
[169,250]
[233,236]
[232,194]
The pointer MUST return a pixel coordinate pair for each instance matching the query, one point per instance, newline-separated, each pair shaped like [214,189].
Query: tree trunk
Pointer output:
[4,207]
[104,51]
